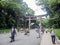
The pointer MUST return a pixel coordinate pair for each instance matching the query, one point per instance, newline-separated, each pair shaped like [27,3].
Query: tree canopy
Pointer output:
[11,12]
[53,9]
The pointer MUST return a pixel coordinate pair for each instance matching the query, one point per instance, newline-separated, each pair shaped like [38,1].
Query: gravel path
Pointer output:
[21,39]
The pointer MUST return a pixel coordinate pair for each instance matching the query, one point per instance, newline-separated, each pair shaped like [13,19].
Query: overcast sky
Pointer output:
[37,9]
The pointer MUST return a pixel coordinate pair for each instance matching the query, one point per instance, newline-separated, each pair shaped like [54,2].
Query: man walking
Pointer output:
[13,32]
[52,35]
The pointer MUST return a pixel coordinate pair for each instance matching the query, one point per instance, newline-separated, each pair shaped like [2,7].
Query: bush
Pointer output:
[57,31]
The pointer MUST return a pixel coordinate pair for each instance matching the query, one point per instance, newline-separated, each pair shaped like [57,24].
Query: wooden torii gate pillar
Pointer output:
[29,18]
[29,22]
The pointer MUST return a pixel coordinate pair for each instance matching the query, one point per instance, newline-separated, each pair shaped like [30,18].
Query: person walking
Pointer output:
[42,30]
[13,33]
[52,35]
[27,31]
[38,31]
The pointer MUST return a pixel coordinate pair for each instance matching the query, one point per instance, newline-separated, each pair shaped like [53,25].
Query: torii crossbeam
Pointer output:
[29,18]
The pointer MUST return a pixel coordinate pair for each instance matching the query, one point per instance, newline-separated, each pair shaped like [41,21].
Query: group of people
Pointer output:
[42,30]
[38,30]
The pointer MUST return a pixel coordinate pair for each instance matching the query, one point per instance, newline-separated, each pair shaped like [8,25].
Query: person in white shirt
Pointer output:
[38,31]
[52,32]
[13,33]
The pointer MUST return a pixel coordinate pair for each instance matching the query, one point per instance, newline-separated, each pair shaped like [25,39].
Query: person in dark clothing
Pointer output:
[52,35]
[13,32]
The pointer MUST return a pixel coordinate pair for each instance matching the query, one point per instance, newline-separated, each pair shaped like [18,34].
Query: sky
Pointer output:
[37,9]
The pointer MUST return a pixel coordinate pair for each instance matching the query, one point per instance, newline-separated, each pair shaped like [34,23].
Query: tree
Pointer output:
[45,6]
[10,10]
[30,12]
[13,12]
[54,7]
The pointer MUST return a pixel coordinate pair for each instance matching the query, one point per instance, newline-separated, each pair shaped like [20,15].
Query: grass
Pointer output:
[57,31]
[5,30]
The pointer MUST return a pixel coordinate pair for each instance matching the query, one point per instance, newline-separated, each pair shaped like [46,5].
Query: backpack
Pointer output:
[14,32]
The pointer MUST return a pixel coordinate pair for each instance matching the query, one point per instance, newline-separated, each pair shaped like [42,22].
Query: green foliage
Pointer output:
[45,23]
[5,30]
[55,18]
[8,13]
[30,12]
[57,31]
[53,7]
[11,12]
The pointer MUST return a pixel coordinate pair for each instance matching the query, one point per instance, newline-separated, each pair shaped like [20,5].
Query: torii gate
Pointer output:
[34,18]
